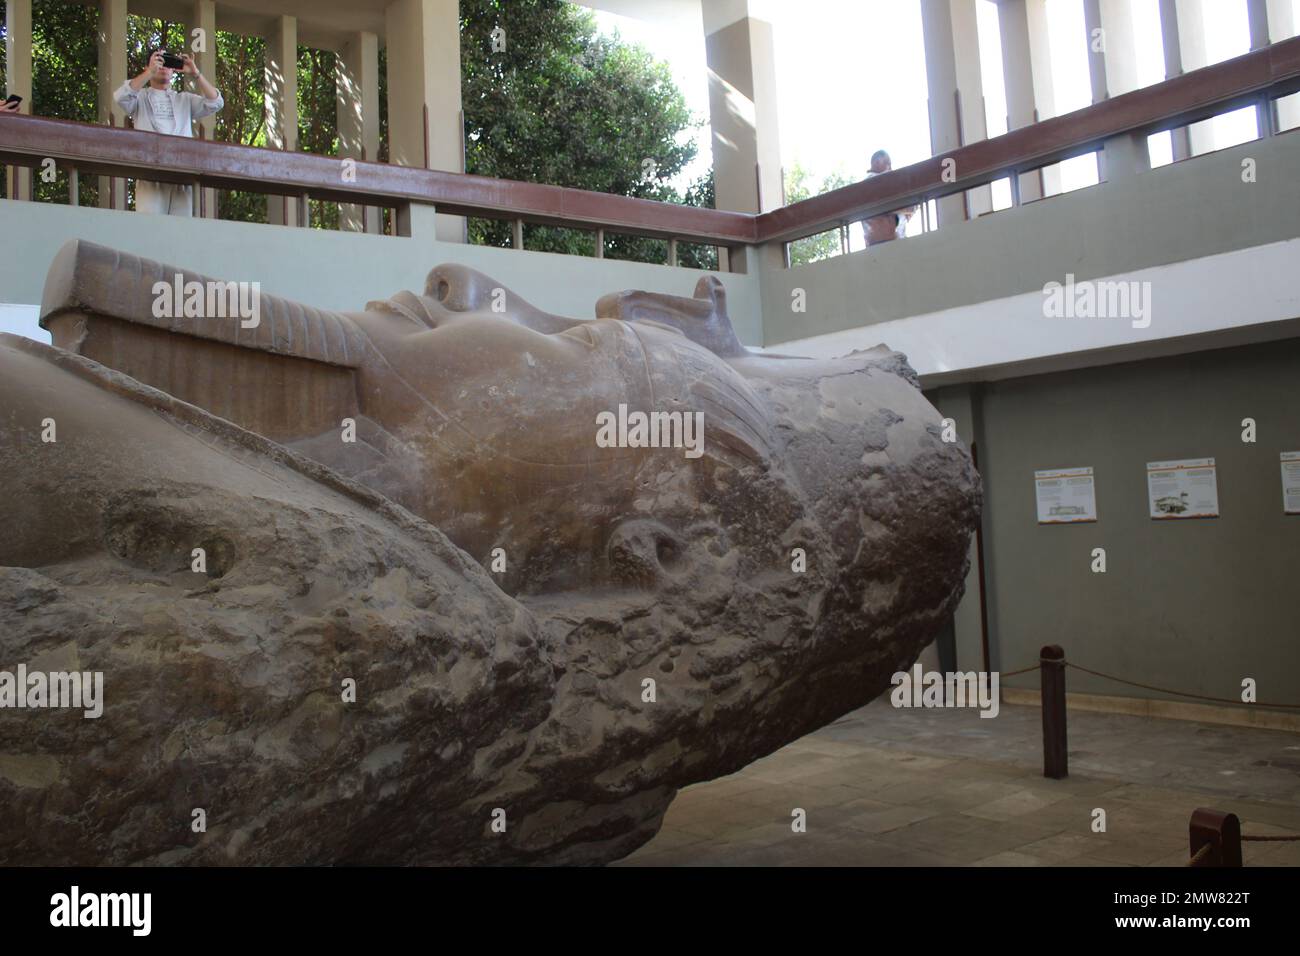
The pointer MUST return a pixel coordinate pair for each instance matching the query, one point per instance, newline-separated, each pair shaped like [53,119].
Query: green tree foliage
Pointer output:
[560,104]
[63,82]
[563,104]
[798,187]
[241,78]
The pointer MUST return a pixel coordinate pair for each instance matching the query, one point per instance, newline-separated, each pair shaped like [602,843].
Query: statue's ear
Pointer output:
[703,318]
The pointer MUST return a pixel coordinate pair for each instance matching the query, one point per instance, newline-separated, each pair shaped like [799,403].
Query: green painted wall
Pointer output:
[1194,605]
[1171,214]
[335,270]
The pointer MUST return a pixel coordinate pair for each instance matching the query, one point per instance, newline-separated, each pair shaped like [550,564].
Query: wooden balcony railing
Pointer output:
[1262,75]
[101,150]
[1256,77]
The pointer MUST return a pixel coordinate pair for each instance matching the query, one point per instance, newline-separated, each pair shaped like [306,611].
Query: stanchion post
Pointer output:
[1222,831]
[1052,680]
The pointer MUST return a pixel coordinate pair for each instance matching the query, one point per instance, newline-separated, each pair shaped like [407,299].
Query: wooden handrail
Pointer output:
[91,148]
[1273,71]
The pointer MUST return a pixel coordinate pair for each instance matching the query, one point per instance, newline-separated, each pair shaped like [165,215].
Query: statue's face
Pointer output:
[501,411]
[498,385]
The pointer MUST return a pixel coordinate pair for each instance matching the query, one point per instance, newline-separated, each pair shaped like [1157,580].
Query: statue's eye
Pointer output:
[582,333]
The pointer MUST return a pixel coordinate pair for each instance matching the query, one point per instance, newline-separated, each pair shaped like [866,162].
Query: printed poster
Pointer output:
[1065,495]
[1183,489]
[1291,482]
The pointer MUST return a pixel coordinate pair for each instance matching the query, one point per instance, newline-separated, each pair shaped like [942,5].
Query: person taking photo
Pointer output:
[153,105]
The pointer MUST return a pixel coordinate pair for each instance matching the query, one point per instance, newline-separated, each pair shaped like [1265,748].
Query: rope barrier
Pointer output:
[1177,693]
[1132,683]
[1289,838]
[1203,852]
[1211,828]
[1023,670]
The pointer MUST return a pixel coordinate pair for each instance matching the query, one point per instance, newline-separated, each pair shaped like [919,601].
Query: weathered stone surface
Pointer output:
[476,690]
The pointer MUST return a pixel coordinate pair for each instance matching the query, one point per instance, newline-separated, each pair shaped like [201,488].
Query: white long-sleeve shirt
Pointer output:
[186,107]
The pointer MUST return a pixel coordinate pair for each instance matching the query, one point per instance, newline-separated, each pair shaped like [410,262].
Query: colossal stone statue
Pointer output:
[475,633]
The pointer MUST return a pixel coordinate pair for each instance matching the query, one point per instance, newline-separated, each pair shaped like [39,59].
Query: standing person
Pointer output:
[880,229]
[153,105]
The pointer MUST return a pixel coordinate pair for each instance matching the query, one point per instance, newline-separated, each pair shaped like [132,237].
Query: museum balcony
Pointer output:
[960,298]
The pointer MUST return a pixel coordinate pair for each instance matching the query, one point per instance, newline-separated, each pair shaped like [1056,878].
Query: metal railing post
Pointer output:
[1052,674]
[1220,831]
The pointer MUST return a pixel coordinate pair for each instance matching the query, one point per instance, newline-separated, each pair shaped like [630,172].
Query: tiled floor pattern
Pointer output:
[938,787]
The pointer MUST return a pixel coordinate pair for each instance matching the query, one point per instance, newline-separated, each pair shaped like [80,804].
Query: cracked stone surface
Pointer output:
[477,687]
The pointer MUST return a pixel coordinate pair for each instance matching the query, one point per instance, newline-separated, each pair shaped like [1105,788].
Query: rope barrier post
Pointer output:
[1052,680]
[1220,831]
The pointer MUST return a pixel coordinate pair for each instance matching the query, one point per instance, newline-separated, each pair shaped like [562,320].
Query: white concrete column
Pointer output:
[1189,16]
[956,93]
[1281,20]
[742,107]
[1112,51]
[203,16]
[281,95]
[1257,20]
[110,44]
[1180,138]
[18,79]
[1027,77]
[357,110]
[1282,25]
[746,136]
[426,127]
[1112,71]
[1270,22]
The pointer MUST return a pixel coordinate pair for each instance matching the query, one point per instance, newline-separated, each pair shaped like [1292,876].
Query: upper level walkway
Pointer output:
[1213,234]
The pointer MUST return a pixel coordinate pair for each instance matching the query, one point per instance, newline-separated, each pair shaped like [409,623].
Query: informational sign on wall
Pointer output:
[1291,482]
[1183,489]
[1065,495]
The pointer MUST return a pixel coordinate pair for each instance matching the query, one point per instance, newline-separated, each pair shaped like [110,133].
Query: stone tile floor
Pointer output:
[939,787]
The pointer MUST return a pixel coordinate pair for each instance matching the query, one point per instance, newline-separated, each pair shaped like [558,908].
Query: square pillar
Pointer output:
[1027,78]
[956,93]
[1189,19]
[1180,138]
[1282,25]
[203,16]
[357,111]
[282,107]
[1112,70]
[742,108]
[18,79]
[746,143]
[426,127]
[110,45]
[1112,52]
[1272,21]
